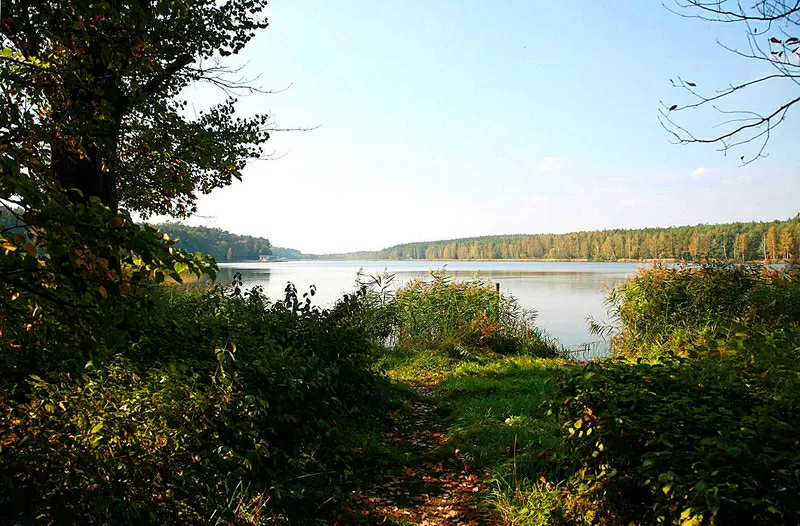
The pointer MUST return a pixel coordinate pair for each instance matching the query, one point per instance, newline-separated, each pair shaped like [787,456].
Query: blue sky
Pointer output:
[451,119]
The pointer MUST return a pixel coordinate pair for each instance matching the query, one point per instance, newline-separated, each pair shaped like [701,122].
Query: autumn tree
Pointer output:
[771,241]
[694,245]
[743,112]
[93,128]
[786,243]
[741,245]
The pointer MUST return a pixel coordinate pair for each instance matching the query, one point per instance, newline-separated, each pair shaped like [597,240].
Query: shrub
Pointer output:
[702,430]
[466,317]
[222,407]
[683,439]
[661,308]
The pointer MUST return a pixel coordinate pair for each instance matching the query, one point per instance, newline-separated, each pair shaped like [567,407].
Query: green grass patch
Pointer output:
[412,366]
[499,423]
[493,404]
[496,412]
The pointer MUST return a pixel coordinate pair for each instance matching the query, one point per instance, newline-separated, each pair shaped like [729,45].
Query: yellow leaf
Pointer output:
[30,248]
[102,290]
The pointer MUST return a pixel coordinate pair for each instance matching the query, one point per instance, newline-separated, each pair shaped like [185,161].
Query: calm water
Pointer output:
[563,294]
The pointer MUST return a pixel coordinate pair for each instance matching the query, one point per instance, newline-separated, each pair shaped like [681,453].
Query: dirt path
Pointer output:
[433,486]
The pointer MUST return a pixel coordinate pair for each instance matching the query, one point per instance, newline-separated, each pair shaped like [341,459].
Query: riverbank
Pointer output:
[220,406]
[690,423]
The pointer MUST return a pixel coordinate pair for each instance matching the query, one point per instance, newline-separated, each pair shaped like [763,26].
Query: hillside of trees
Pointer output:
[291,253]
[772,241]
[222,245]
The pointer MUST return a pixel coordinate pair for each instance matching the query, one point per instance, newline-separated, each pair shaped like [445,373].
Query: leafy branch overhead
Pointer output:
[91,98]
[94,131]
[772,31]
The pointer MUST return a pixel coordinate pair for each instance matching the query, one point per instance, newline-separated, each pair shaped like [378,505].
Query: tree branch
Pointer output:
[155,84]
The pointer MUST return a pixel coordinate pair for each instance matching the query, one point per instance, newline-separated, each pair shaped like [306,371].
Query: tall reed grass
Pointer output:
[663,309]
[464,317]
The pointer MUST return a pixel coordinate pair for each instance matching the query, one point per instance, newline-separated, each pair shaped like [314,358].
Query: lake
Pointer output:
[562,293]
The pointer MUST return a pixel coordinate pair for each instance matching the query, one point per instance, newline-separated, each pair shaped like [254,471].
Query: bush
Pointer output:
[659,309]
[687,440]
[221,408]
[466,317]
[703,431]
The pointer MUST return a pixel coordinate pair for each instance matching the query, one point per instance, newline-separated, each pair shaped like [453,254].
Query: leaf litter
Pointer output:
[433,487]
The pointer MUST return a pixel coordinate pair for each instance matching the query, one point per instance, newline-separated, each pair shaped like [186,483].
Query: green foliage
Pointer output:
[775,241]
[707,440]
[704,432]
[69,271]
[90,98]
[221,245]
[222,408]
[466,317]
[372,308]
[663,310]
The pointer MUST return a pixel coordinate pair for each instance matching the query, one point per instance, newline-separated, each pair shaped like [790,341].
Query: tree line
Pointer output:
[771,241]
[221,244]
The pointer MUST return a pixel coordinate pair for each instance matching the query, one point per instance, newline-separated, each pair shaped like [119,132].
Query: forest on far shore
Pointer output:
[762,241]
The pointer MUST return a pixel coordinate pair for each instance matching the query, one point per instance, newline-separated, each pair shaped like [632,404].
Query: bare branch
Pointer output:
[714,12]
[780,17]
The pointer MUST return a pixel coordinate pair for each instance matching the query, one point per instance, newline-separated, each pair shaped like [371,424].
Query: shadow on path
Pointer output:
[433,486]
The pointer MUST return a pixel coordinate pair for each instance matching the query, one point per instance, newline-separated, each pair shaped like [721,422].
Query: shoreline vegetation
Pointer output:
[128,396]
[753,241]
[219,406]
[768,242]
[529,260]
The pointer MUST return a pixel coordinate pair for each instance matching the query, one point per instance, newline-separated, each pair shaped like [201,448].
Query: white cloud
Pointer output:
[701,171]
[551,164]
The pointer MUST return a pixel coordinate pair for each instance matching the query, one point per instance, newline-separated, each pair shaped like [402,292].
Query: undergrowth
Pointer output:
[694,422]
[218,407]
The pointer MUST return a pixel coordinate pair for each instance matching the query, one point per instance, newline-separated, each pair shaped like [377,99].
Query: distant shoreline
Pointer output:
[529,260]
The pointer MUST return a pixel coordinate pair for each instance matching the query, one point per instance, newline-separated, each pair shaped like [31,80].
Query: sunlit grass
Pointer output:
[405,365]
[496,403]
[499,426]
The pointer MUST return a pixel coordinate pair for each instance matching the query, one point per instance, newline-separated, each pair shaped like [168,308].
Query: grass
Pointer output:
[493,404]
[499,425]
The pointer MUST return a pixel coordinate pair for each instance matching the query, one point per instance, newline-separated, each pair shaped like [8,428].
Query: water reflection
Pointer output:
[563,294]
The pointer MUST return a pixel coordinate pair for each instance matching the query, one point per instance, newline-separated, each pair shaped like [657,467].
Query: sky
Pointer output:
[439,120]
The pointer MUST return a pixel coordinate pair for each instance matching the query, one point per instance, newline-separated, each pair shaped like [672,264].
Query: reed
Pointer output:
[468,318]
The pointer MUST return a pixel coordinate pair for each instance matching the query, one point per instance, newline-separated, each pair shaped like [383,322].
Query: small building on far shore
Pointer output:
[263,258]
